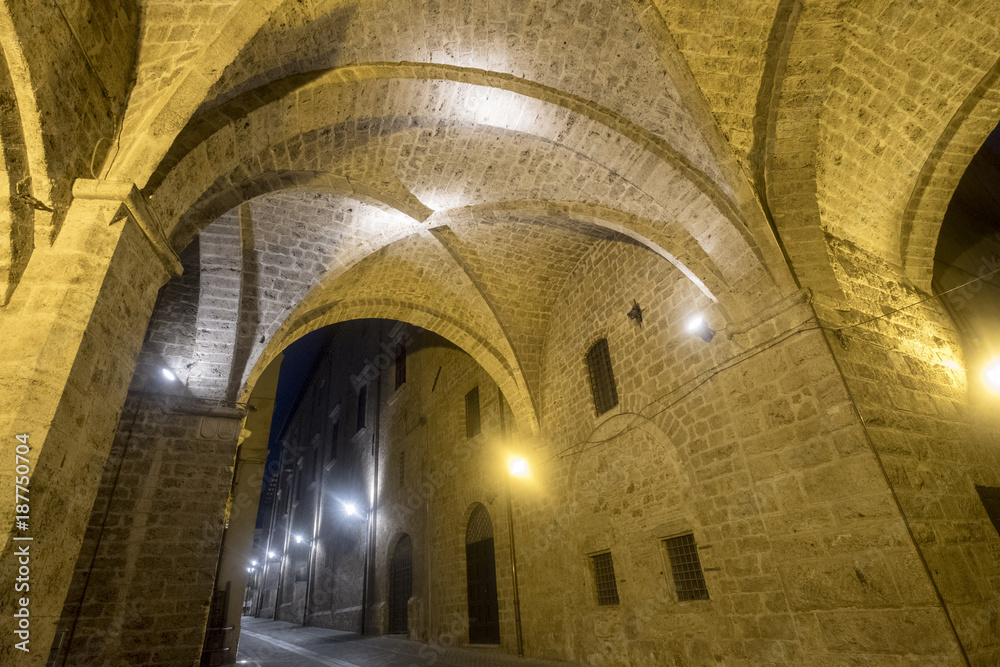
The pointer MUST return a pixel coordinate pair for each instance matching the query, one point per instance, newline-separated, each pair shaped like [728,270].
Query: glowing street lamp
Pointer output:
[991,376]
[698,326]
[518,466]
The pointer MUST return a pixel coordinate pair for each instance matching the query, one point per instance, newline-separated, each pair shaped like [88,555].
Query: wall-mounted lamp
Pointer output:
[518,467]
[169,374]
[271,554]
[697,325]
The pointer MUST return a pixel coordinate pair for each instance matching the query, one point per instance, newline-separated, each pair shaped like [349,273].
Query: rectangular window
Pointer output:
[400,366]
[362,407]
[602,377]
[604,578]
[472,425]
[331,444]
[686,567]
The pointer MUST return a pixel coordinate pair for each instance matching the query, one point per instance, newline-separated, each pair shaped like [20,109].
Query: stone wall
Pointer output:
[750,442]
[145,575]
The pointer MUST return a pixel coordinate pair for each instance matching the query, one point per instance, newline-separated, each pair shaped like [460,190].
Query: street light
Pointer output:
[991,376]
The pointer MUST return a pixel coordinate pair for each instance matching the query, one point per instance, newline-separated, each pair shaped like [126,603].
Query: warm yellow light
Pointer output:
[518,467]
[991,375]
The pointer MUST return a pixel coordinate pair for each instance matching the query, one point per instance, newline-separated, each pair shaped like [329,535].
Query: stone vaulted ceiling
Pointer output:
[450,163]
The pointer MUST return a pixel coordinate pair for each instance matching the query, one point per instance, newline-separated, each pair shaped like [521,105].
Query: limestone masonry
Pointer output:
[504,217]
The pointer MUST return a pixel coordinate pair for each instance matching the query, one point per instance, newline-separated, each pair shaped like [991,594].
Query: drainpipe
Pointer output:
[369,577]
[510,529]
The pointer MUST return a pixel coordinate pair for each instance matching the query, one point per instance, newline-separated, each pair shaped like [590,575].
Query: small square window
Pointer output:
[689,581]
[472,425]
[604,578]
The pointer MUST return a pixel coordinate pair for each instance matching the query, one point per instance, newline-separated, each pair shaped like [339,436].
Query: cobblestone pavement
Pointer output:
[265,643]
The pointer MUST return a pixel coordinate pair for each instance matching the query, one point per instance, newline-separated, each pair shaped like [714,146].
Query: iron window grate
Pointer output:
[602,377]
[686,567]
[604,577]
[472,424]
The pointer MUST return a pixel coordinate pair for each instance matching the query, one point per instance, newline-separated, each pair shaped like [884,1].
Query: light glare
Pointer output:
[991,375]
[350,509]
[695,324]
[518,467]
[167,373]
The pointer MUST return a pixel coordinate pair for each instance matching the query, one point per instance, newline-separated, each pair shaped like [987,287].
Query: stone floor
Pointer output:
[265,643]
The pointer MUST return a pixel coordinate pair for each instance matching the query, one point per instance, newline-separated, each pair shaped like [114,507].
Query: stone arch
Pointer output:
[493,360]
[940,174]
[155,117]
[670,241]
[675,189]
[845,120]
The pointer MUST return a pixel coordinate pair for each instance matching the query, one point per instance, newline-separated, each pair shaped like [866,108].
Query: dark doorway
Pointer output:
[484,612]
[400,584]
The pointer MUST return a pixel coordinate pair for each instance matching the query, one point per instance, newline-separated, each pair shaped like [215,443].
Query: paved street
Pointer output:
[267,643]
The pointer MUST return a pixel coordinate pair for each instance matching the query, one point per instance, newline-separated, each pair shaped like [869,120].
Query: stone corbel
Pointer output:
[138,209]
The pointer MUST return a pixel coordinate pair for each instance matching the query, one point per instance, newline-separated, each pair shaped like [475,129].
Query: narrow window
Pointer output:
[602,378]
[400,366]
[686,567]
[990,498]
[402,468]
[331,445]
[362,407]
[604,577]
[472,413]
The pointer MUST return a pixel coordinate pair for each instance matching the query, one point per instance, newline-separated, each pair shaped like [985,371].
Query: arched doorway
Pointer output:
[400,584]
[484,612]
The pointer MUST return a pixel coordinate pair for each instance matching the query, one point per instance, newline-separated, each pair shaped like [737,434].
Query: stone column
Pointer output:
[71,333]
[237,545]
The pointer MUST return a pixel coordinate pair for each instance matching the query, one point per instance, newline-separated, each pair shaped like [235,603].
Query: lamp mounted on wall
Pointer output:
[697,325]
[991,376]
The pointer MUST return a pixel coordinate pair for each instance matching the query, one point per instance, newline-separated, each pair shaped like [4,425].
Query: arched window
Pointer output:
[602,377]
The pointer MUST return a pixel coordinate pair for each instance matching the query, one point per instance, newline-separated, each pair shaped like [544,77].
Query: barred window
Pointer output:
[472,424]
[686,567]
[602,377]
[362,407]
[604,578]
[400,366]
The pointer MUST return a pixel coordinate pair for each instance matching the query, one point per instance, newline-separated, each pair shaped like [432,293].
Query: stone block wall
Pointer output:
[935,431]
[145,575]
[751,443]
